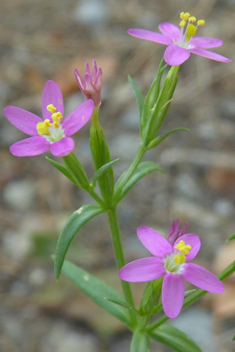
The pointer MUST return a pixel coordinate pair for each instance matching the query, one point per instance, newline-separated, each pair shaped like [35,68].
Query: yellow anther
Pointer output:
[192,19]
[57,116]
[184,15]
[51,108]
[200,22]
[183,248]
[42,128]
[179,259]
[56,124]
[47,123]
[182,23]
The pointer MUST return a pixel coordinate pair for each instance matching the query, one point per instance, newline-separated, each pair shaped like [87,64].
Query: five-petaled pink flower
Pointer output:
[181,42]
[52,132]
[171,261]
[91,85]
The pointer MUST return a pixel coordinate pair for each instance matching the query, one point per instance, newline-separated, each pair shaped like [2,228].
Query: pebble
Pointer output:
[90,13]
[19,194]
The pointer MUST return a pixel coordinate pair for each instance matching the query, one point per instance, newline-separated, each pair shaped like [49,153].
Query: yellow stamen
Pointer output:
[179,259]
[42,127]
[57,116]
[183,248]
[182,23]
[192,19]
[51,108]
[200,22]
[184,15]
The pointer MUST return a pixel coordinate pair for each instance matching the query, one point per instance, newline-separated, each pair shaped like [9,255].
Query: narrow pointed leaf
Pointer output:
[158,140]
[102,169]
[138,95]
[122,304]
[175,338]
[62,169]
[97,290]
[71,228]
[231,238]
[142,170]
[140,342]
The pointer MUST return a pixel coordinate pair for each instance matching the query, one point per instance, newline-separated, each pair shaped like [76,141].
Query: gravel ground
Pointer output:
[41,40]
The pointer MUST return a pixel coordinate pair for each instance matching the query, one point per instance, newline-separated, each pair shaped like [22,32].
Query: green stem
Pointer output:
[95,196]
[119,256]
[194,297]
[129,172]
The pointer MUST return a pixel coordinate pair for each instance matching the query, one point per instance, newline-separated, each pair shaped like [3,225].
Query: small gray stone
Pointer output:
[90,13]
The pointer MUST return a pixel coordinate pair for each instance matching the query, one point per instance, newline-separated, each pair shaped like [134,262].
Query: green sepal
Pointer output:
[77,170]
[151,297]
[101,156]
[161,106]
[140,341]
[123,304]
[158,140]
[142,170]
[150,99]
[97,290]
[231,238]
[174,338]
[138,95]
[101,170]
[63,170]
[71,228]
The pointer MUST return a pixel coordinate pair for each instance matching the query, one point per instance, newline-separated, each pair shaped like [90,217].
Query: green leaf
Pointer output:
[175,338]
[231,238]
[138,95]
[77,170]
[233,339]
[71,228]
[158,140]
[62,169]
[97,290]
[102,169]
[140,342]
[142,170]
[122,304]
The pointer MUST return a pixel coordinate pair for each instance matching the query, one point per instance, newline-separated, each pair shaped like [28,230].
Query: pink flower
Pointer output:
[51,133]
[171,261]
[181,42]
[91,85]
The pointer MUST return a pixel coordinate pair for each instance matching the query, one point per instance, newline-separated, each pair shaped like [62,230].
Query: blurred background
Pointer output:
[42,40]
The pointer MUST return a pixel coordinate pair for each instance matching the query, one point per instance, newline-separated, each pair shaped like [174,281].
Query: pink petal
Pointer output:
[205,42]
[78,118]
[202,278]
[88,68]
[94,71]
[52,95]
[145,269]
[89,85]
[173,289]
[150,35]
[169,30]
[62,147]
[79,79]
[24,120]
[30,146]
[98,80]
[175,55]
[209,55]
[154,241]
[195,243]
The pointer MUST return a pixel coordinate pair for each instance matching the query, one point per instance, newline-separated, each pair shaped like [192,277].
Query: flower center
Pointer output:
[52,131]
[174,262]
[188,28]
